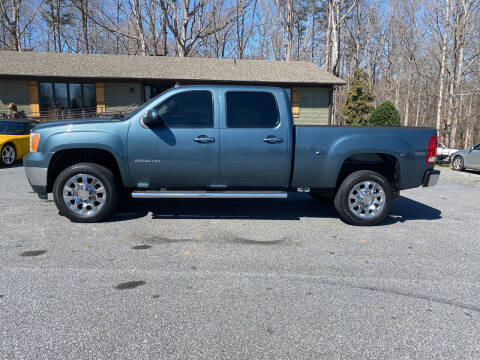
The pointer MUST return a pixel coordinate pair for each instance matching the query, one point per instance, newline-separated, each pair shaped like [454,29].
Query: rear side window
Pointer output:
[192,109]
[251,109]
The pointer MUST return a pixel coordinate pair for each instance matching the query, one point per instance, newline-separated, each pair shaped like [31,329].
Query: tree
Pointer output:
[190,21]
[57,17]
[385,114]
[337,12]
[359,100]
[14,21]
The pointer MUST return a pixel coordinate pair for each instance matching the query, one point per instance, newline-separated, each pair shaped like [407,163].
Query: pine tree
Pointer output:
[385,114]
[358,103]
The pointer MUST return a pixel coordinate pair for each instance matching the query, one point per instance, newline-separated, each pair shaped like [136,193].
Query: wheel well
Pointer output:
[65,158]
[384,164]
[9,143]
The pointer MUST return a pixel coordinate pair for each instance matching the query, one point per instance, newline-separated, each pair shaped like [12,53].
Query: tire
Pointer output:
[8,155]
[458,164]
[364,208]
[90,190]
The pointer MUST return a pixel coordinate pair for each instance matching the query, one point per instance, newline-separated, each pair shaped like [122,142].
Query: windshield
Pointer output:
[141,107]
[13,128]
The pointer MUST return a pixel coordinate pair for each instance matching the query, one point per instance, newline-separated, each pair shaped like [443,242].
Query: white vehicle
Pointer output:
[444,153]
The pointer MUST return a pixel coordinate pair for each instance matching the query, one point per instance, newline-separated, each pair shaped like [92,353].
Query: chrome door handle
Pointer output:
[204,139]
[272,139]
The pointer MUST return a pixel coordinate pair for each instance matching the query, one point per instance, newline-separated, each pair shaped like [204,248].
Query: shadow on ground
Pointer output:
[16,164]
[295,207]
[471,171]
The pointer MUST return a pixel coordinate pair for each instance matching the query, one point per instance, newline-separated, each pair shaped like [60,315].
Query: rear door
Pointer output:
[184,152]
[255,138]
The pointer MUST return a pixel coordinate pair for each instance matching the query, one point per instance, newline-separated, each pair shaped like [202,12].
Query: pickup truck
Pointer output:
[225,142]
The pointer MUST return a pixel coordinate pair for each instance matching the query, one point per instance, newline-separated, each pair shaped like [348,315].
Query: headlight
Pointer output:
[34,140]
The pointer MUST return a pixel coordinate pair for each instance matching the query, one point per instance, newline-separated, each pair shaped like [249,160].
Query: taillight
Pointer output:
[432,150]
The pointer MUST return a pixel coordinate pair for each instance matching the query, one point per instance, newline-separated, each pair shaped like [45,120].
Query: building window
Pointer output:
[150,91]
[61,95]
[45,94]
[75,96]
[66,96]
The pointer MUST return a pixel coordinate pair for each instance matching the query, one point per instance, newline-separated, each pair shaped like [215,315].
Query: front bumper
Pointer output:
[36,169]
[37,177]
[430,178]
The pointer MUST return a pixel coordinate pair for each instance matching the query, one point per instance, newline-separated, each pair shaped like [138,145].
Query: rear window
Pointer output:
[251,109]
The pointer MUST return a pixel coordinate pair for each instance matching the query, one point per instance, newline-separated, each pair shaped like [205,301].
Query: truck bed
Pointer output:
[320,152]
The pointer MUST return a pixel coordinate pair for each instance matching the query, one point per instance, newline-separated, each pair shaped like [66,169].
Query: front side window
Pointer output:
[477,147]
[251,109]
[191,109]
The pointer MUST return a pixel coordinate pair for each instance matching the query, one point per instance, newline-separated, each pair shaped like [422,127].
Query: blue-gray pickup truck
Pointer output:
[225,142]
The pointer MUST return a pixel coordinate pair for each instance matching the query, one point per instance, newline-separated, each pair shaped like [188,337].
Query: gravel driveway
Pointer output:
[241,279]
[464,177]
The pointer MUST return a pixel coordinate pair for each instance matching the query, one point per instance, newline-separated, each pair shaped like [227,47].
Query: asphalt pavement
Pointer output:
[240,279]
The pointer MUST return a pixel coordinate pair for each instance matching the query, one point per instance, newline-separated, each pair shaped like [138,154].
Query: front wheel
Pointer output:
[86,192]
[458,164]
[364,198]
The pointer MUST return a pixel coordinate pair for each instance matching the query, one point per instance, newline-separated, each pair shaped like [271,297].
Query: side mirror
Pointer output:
[152,119]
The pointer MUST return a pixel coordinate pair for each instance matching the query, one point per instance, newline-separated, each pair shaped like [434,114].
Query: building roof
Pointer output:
[100,66]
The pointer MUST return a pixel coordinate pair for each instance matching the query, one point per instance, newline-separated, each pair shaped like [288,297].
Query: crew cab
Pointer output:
[225,142]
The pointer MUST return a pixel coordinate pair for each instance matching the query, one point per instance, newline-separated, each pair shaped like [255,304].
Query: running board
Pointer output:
[209,194]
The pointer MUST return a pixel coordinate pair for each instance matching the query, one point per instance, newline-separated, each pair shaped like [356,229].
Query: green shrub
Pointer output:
[358,103]
[384,114]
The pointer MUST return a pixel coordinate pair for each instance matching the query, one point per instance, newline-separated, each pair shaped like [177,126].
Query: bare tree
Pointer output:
[10,12]
[191,21]
[337,11]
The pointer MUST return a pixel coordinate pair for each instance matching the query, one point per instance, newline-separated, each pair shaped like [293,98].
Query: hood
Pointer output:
[79,122]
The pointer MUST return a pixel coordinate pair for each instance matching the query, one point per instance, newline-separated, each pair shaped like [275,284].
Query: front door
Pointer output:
[184,152]
[473,158]
[254,140]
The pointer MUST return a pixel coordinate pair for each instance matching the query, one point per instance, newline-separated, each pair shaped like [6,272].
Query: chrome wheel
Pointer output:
[366,199]
[84,194]
[8,154]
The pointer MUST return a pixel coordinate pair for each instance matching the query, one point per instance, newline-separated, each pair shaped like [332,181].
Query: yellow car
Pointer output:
[14,140]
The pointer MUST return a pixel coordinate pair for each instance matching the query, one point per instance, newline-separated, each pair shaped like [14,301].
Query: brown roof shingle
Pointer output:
[67,65]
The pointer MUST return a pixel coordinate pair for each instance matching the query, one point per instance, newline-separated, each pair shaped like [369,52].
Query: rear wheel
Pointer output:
[8,155]
[364,198]
[86,192]
[458,164]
